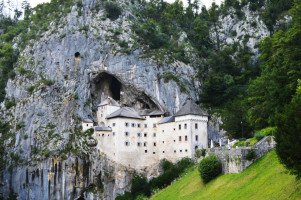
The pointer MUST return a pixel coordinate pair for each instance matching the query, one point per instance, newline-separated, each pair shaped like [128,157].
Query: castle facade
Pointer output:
[142,138]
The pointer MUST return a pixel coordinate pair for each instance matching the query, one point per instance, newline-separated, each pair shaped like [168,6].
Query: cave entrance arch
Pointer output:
[105,85]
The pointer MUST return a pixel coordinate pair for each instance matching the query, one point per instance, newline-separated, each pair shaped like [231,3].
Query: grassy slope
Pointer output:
[265,179]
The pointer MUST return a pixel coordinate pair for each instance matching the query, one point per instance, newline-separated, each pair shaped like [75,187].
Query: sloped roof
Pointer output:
[87,120]
[190,108]
[150,112]
[112,102]
[125,112]
[167,119]
[99,128]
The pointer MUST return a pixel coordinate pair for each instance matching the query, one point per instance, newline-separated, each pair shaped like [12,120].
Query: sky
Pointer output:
[33,3]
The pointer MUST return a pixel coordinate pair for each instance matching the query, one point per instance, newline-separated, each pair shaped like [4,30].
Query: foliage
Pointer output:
[250,155]
[259,137]
[288,132]
[209,168]
[203,152]
[20,125]
[46,153]
[113,10]
[265,179]
[10,103]
[140,186]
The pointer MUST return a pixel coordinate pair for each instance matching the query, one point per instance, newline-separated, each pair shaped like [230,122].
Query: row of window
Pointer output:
[185,126]
[154,134]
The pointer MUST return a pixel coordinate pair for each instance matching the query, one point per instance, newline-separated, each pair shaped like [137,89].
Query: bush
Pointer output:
[30,89]
[140,186]
[10,103]
[46,153]
[20,125]
[126,196]
[113,10]
[259,137]
[251,155]
[203,151]
[209,168]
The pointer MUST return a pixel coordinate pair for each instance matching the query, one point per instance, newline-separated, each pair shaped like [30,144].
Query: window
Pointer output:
[99,134]
[174,140]
[127,143]
[174,129]
[163,131]
[113,133]
[186,150]
[163,152]
[175,151]
[133,124]
[138,125]
[162,141]
[185,126]
[138,134]
[179,126]
[138,144]
[101,115]
[186,138]
[196,126]
[145,134]
[181,151]
[155,144]
[87,124]
[180,138]
[127,134]
[145,125]
[154,152]
[103,135]
[196,138]
[113,124]
[145,151]
[154,134]
[154,125]
[144,144]
[126,124]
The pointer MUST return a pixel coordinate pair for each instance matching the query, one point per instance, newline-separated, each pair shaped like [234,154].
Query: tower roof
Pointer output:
[125,112]
[109,101]
[190,108]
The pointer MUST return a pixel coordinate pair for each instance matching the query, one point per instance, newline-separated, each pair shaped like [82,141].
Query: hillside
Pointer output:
[265,179]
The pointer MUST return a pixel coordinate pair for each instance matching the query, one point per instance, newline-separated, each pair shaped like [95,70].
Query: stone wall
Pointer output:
[235,160]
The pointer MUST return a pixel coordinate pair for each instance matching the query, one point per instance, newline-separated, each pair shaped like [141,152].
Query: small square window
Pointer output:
[174,140]
[163,131]
[138,134]
[138,144]
[144,144]
[145,151]
[154,134]
[186,150]
[145,125]
[185,126]
[186,138]
[162,141]
[175,151]
[180,150]
[154,125]
[163,152]
[127,143]
[126,124]
[196,126]
[133,124]
[154,152]
[103,135]
[196,138]
[174,129]
[180,138]
[127,134]
[155,144]
[113,133]
[114,124]
[87,124]
[179,126]
[138,125]
[145,134]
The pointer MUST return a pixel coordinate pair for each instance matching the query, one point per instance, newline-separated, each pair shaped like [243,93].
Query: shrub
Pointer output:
[166,165]
[259,137]
[203,151]
[209,168]
[10,103]
[30,89]
[198,153]
[250,155]
[46,153]
[20,125]
[126,196]
[140,186]
[113,10]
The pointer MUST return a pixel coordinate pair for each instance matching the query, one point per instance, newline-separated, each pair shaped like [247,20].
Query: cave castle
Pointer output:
[140,139]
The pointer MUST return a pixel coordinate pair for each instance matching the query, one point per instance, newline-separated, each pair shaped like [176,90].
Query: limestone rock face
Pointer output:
[70,69]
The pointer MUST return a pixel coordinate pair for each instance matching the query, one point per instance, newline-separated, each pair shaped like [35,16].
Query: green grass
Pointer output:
[265,179]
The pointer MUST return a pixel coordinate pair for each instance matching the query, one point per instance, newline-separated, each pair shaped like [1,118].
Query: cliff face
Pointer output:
[69,70]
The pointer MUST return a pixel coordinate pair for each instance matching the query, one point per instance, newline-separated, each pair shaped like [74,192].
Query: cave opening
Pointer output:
[105,85]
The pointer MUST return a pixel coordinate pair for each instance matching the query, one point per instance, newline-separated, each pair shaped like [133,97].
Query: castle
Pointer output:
[142,138]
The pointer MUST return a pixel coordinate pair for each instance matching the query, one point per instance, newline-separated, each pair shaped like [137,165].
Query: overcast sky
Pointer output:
[33,3]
